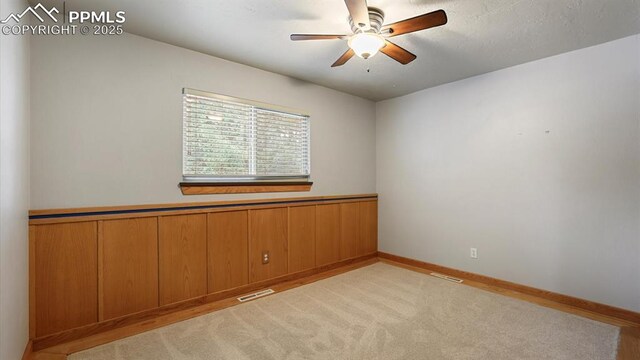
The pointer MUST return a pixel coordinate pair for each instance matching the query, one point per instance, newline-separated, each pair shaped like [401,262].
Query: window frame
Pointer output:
[248,179]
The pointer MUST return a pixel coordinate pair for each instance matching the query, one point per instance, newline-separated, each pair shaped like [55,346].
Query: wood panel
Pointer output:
[327,234]
[228,250]
[182,242]
[302,238]
[65,276]
[98,334]
[268,232]
[129,266]
[349,230]
[149,260]
[368,241]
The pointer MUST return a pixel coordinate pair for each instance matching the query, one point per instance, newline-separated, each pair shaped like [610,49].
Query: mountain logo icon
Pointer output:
[34,11]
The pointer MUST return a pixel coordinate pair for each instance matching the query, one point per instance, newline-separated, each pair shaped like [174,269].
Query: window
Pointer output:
[230,139]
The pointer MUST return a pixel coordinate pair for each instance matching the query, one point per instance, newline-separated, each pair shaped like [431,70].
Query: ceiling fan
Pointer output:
[370,35]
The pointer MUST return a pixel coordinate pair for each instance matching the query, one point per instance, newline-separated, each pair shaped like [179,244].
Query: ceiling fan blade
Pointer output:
[421,22]
[397,53]
[344,58]
[298,37]
[359,13]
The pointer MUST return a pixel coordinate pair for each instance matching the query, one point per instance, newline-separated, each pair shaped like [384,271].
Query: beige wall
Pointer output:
[537,166]
[107,121]
[14,188]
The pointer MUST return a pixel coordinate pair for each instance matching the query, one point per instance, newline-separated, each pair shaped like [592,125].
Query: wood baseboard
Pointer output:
[629,345]
[95,334]
[28,350]
[626,317]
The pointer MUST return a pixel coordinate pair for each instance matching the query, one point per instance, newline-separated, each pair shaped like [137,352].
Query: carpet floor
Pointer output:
[376,312]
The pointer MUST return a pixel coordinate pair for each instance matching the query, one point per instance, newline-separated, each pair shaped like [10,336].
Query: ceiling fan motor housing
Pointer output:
[376,18]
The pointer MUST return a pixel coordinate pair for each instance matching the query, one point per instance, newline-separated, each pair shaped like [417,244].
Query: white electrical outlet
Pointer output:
[474,253]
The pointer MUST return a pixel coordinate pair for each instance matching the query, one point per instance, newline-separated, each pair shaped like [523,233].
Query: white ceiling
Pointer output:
[481,36]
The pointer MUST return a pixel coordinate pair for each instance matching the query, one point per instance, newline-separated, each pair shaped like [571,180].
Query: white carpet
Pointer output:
[376,312]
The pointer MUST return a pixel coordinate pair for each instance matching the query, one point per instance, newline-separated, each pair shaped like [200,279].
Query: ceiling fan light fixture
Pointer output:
[366,45]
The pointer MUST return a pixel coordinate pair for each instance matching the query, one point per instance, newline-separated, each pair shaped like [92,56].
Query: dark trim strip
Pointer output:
[194,207]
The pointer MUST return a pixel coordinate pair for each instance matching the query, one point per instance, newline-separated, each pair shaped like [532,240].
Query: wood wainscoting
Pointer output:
[96,269]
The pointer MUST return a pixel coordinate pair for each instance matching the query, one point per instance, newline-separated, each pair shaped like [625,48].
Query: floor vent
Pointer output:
[448,278]
[255,295]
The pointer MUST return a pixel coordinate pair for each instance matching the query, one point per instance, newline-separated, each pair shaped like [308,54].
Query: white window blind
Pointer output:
[226,138]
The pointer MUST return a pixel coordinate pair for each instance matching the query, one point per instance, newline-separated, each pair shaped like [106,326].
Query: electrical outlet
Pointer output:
[265,257]
[474,253]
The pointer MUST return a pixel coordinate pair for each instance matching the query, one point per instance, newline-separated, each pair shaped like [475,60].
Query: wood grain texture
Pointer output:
[268,232]
[73,341]
[629,344]
[41,355]
[302,238]
[368,241]
[130,266]
[97,334]
[228,250]
[327,234]
[65,276]
[128,251]
[182,242]
[586,307]
[349,230]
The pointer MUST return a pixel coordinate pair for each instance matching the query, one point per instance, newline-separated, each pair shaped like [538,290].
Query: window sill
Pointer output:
[203,188]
